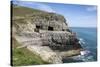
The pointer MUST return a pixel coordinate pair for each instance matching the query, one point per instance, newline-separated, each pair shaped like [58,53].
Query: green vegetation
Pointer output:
[22,56]
[22,11]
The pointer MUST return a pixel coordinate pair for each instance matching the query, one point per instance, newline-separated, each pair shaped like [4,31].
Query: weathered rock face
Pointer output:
[46,53]
[46,34]
[38,20]
[41,22]
[59,40]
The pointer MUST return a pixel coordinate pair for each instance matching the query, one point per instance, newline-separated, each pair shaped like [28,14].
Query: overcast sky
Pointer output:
[76,15]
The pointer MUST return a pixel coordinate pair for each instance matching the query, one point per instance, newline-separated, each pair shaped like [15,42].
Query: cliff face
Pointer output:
[45,34]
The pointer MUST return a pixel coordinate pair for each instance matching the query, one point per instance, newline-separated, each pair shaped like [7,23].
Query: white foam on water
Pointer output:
[81,41]
[85,52]
[84,56]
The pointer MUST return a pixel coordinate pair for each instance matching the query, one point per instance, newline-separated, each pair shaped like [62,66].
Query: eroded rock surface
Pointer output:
[45,34]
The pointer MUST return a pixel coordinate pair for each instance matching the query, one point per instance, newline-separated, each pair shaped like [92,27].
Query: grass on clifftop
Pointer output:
[22,56]
[22,11]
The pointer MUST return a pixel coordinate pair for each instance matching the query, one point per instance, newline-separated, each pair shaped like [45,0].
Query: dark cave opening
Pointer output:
[50,28]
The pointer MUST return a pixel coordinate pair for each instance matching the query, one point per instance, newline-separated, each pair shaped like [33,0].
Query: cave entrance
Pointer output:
[50,28]
[63,30]
[37,26]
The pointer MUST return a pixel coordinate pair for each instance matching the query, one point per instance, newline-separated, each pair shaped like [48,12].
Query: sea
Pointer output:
[88,40]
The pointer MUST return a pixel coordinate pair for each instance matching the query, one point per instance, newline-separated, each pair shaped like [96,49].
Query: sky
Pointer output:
[76,15]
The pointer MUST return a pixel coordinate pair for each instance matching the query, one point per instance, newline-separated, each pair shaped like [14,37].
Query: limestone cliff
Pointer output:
[45,34]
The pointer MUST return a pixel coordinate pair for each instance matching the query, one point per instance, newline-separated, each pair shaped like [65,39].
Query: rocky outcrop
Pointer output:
[45,34]
[46,53]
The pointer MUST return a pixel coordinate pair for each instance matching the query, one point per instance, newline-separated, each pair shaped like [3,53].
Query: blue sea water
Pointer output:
[88,40]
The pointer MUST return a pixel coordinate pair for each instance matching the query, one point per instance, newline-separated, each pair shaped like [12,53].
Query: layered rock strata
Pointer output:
[45,34]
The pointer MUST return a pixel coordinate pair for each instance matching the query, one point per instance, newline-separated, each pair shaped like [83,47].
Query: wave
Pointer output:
[81,41]
[85,56]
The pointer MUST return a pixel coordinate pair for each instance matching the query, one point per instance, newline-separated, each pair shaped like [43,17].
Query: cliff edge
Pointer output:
[45,34]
